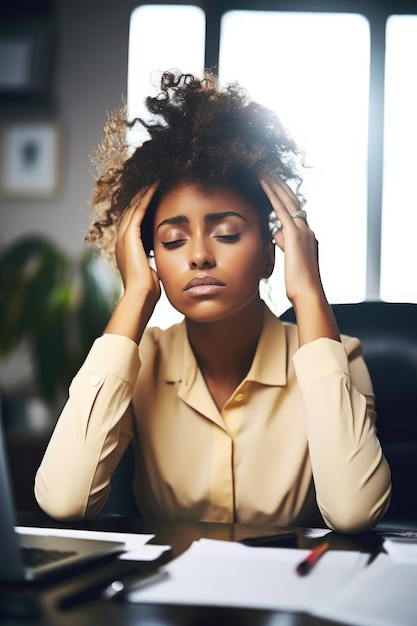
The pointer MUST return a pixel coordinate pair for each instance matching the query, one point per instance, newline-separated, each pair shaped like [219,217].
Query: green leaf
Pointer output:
[56,303]
[29,270]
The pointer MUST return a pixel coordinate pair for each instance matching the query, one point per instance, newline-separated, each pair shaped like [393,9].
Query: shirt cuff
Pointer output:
[319,358]
[114,354]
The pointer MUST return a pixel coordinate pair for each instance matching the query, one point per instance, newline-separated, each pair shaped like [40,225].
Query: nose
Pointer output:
[201,255]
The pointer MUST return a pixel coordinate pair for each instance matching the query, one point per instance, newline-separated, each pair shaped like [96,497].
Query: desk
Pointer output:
[179,535]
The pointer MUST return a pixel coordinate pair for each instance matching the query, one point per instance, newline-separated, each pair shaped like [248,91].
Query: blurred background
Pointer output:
[340,74]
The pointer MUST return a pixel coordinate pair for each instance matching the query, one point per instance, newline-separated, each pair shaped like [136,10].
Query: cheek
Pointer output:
[250,264]
[168,266]
[161,265]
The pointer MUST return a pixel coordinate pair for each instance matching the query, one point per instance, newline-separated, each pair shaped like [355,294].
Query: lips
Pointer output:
[204,285]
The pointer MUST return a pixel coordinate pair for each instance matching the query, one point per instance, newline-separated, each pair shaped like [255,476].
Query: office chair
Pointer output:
[121,501]
[388,333]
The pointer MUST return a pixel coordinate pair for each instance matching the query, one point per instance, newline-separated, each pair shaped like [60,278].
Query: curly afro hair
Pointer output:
[199,133]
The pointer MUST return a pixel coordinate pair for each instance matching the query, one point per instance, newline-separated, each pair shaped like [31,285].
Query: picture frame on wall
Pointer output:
[27,49]
[31,160]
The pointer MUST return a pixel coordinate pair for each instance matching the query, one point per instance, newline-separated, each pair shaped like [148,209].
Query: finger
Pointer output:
[288,201]
[134,214]
[281,202]
[300,215]
[286,190]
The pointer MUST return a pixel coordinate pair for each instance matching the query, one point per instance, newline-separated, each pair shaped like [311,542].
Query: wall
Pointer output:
[90,77]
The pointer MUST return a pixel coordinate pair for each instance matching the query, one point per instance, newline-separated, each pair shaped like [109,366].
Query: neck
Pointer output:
[225,349]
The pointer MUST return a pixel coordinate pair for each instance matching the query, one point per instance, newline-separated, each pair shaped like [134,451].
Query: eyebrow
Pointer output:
[210,218]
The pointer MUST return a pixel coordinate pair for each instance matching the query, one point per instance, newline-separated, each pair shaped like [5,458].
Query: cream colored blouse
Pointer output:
[296,438]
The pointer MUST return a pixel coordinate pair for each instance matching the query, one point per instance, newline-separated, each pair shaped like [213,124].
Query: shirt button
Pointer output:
[239,397]
[94,380]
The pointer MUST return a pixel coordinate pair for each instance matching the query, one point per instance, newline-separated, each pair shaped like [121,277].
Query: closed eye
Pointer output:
[170,245]
[229,238]
[176,243]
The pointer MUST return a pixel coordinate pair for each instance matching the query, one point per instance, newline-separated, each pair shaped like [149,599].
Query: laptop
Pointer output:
[31,557]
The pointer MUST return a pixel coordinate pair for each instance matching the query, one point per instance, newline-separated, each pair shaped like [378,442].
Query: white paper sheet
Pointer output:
[383,594]
[222,573]
[316,533]
[144,553]
[402,550]
[136,548]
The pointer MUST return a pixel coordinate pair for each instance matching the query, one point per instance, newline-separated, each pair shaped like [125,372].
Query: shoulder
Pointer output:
[352,345]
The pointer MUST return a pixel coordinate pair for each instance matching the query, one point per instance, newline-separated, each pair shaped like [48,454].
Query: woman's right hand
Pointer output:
[131,257]
[141,283]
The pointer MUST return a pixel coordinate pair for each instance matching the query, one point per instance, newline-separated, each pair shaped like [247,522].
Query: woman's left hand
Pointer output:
[296,240]
[302,275]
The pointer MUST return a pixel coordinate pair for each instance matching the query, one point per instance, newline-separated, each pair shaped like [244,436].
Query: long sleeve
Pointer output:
[299,428]
[92,432]
[351,475]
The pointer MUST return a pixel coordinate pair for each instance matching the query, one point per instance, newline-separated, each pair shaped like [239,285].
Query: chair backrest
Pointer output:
[388,333]
[121,501]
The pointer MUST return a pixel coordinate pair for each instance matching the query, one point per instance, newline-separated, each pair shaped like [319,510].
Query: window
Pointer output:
[154,46]
[315,69]
[399,208]
[303,66]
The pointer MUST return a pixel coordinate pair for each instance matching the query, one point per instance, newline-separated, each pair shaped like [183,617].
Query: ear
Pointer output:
[269,260]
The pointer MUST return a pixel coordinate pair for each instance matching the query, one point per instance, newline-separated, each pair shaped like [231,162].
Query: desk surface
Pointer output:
[179,535]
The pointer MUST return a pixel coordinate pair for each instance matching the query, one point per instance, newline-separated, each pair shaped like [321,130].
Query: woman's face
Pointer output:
[209,252]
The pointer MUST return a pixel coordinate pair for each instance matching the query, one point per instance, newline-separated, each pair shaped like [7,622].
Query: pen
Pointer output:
[119,589]
[309,562]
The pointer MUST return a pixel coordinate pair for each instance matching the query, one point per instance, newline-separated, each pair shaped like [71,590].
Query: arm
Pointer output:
[96,424]
[351,476]
[92,433]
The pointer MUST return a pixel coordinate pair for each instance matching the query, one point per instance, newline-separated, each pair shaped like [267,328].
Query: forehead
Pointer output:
[196,200]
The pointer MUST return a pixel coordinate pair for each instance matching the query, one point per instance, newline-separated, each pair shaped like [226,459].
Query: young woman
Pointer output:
[235,416]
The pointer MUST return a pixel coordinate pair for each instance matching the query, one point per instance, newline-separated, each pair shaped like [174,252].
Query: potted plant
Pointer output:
[57,305]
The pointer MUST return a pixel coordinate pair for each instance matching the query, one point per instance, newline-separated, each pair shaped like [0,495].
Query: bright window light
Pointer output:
[399,208]
[162,37]
[304,66]
[313,70]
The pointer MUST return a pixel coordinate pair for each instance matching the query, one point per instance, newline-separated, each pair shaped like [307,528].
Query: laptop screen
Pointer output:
[10,564]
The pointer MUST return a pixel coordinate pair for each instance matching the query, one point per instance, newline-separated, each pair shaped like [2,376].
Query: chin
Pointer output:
[212,310]
[211,317]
